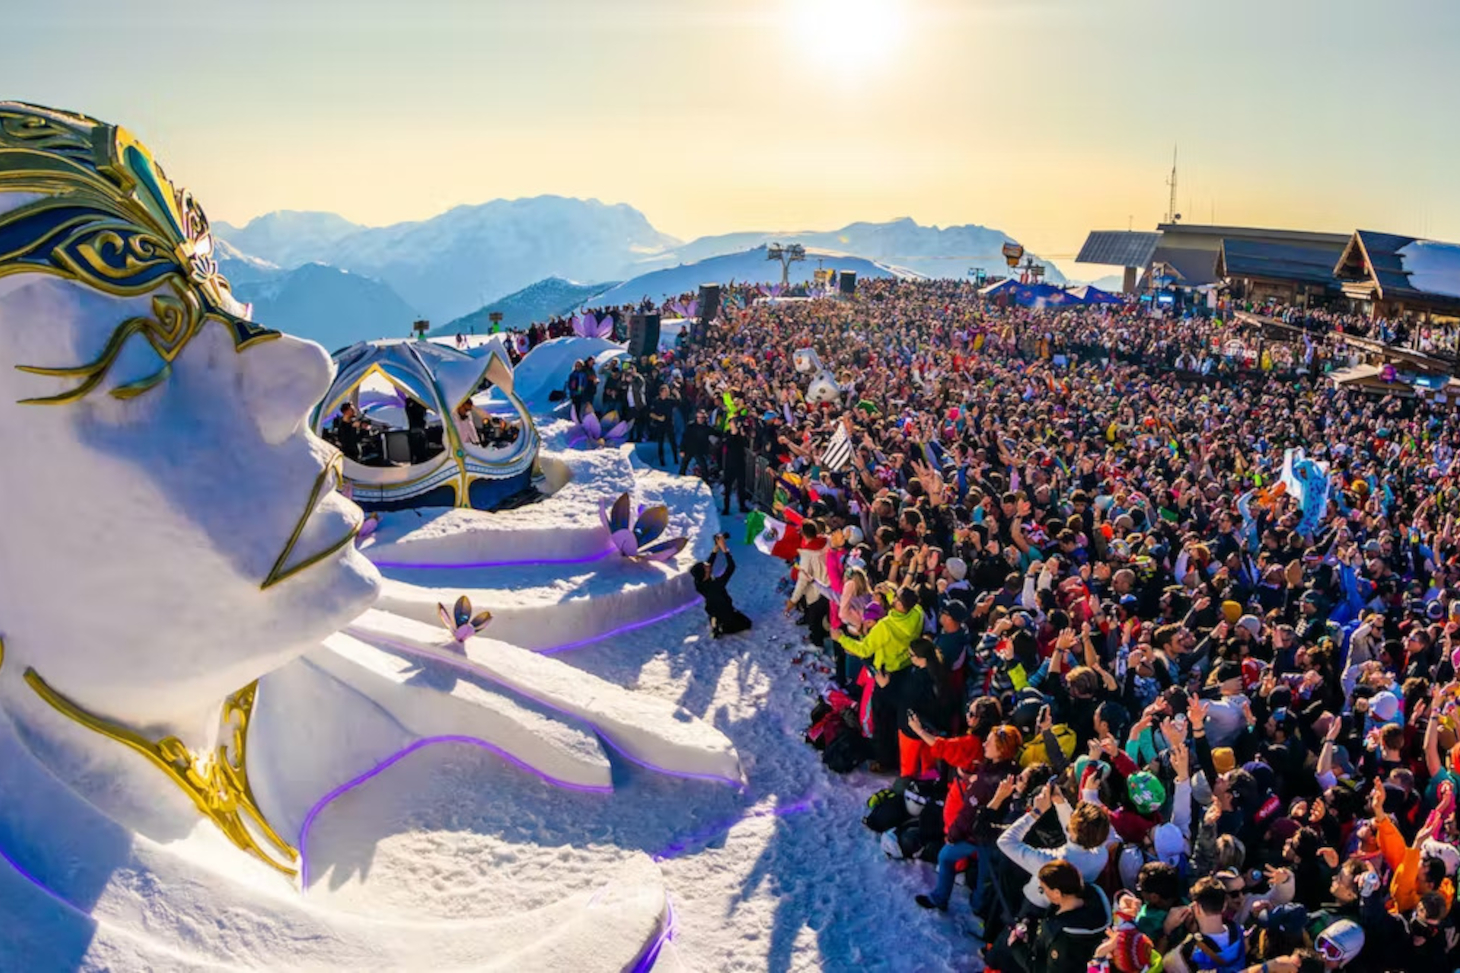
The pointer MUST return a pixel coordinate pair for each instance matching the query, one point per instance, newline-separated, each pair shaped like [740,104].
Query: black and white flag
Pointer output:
[838,452]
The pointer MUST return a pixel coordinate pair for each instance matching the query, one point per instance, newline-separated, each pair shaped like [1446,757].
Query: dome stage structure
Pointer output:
[420,440]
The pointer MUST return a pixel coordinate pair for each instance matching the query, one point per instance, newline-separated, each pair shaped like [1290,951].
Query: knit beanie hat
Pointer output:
[1147,793]
[1133,951]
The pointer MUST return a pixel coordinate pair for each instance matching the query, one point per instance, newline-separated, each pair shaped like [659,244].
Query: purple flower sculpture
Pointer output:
[629,537]
[460,622]
[590,432]
[588,325]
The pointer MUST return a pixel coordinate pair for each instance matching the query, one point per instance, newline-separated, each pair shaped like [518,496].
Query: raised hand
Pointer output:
[1181,762]
[1196,712]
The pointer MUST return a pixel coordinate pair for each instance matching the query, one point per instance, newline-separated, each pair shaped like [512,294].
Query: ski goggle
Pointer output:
[1329,950]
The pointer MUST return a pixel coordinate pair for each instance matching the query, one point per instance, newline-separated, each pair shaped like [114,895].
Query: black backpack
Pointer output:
[846,752]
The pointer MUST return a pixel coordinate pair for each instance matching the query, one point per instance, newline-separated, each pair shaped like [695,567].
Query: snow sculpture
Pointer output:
[460,622]
[590,432]
[629,537]
[588,325]
[161,768]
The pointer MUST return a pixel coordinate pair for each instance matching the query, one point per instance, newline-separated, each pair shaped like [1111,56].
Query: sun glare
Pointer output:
[849,35]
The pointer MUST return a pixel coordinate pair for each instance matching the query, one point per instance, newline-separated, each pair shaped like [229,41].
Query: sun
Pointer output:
[850,35]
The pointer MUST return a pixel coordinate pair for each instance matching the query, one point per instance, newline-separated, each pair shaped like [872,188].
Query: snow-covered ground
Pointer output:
[781,876]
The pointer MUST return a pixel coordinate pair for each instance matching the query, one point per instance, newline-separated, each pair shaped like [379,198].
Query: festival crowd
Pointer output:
[1162,705]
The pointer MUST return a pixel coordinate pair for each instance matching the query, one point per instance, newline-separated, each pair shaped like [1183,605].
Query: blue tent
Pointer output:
[1031,295]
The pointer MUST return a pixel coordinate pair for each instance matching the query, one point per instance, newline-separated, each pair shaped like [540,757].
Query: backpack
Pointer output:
[1202,954]
[845,752]
[824,729]
[886,814]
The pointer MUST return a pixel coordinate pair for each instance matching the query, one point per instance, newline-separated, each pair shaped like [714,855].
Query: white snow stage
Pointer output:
[229,741]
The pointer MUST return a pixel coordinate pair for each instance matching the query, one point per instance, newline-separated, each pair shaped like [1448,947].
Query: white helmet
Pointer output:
[1340,942]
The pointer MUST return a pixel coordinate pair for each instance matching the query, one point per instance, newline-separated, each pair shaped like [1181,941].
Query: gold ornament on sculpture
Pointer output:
[110,219]
[216,781]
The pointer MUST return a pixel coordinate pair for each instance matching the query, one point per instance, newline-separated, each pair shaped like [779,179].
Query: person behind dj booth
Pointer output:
[725,618]
[347,428]
[416,429]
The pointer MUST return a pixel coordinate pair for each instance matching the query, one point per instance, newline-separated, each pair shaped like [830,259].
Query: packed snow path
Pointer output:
[782,876]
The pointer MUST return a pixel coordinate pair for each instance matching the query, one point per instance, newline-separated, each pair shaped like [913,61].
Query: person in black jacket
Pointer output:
[725,619]
[1065,940]
[732,467]
[661,422]
[695,446]
[416,429]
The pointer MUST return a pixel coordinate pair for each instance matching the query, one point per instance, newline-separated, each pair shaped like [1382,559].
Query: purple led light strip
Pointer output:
[474,565]
[400,755]
[466,665]
[650,956]
[45,889]
[630,627]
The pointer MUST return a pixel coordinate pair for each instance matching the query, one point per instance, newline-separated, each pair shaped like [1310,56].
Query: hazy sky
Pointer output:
[1043,118]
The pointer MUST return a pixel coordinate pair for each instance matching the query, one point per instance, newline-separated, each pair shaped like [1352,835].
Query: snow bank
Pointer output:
[545,369]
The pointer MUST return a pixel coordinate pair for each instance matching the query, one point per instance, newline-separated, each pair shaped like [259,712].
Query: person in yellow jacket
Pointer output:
[888,648]
[887,643]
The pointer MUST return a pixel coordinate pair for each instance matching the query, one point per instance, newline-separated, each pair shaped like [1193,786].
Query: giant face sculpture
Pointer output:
[171,527]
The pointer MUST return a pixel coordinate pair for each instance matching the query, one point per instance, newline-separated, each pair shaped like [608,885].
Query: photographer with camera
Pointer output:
[725,618]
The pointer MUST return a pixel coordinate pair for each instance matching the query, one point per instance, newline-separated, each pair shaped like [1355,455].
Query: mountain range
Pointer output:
[541,301]
[324,277]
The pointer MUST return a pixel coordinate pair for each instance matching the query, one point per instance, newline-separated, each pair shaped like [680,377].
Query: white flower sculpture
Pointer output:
[629,537]
[590,432]
[460,622]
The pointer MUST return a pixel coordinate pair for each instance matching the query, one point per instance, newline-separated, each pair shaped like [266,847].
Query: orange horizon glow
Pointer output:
[1041,118]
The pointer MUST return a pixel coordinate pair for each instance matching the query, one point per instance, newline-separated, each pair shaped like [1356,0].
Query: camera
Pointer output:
[723,536]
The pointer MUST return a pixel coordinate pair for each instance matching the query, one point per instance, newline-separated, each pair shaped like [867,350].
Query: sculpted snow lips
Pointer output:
[324,485]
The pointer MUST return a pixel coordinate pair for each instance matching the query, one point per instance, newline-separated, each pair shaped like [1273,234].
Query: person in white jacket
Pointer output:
[1087,827]
[812,582]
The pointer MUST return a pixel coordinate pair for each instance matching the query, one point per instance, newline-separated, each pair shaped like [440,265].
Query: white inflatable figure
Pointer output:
[823,387]
[177,702]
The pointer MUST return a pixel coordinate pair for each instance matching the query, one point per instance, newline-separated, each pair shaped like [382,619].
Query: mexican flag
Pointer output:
[764,531]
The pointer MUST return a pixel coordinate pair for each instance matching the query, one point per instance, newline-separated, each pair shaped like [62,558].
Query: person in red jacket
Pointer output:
[973,791]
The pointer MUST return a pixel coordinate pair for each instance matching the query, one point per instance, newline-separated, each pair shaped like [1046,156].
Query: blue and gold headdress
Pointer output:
[109,218]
